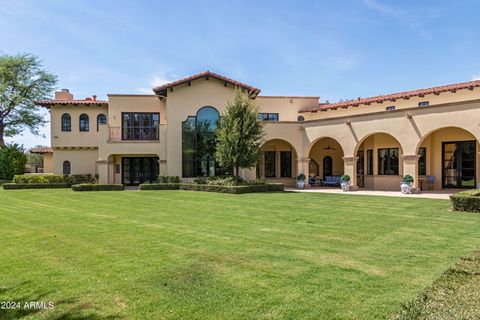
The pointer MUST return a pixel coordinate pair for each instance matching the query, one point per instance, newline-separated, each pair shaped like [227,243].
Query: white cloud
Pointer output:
[155,81]
[476,77]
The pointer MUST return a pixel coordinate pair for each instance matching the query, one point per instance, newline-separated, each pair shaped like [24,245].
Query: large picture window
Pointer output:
[140,125]
[198,144]
[388,161]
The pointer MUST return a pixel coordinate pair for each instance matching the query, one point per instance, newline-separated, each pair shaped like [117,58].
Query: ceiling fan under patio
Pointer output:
[329,148]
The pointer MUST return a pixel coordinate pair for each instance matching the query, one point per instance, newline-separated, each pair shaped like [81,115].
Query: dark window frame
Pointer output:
[268,116]
[267,164]
[84,123]
[390,108]
[66,122]
[141,132]
[422,168]
[98,119]
[388,166]
[66,167]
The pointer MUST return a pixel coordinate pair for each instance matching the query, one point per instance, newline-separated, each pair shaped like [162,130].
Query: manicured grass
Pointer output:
[195,255]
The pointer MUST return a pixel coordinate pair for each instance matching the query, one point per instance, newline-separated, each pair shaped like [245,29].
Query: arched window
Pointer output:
[300,118]
[84,125]
[101,119]
[66,167]
[66,122]
[327,166]
[198,144]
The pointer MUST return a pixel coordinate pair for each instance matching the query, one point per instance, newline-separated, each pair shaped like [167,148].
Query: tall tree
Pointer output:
[239,134]
[23,79]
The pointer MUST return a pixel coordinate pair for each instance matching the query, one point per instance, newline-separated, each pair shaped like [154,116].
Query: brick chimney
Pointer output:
[64,94]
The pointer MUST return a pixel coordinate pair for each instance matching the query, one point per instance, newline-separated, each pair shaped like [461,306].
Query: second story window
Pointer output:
[268,116]
[423,104]
[140,125]
[66,122]
[390,108]
[84,125]
[101,119]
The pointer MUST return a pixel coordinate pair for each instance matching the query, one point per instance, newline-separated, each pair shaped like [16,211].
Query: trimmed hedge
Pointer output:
[5,181]
[97,187]
[38,178]
[168,179]
[466,201]
[53,178]
[16,186]
[214,188]
[160,186]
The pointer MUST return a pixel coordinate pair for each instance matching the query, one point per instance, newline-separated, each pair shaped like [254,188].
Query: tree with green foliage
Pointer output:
[12,161]
[239,134]
[23,79]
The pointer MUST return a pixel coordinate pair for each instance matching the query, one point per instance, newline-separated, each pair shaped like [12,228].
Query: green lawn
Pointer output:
[194,255]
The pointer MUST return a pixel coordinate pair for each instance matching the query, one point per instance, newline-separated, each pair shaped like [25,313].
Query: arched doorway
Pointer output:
[278,160]
[379,165]
[327,166]
[326,162]
[448,158]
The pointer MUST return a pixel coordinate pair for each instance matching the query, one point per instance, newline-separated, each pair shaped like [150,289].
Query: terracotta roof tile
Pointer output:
[41,150]
[73,102]
[163,88]
[394,96]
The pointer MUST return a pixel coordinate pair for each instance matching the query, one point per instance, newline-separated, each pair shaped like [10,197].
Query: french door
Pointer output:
[459,164]
[137,170]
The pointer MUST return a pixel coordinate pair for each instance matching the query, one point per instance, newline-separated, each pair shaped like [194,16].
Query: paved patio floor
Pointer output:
[362,192]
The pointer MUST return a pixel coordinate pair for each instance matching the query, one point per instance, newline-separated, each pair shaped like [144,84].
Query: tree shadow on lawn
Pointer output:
[74,309]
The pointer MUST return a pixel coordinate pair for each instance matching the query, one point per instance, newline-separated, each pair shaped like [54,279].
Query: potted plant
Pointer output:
[345,182]
[300,181]
[407,184]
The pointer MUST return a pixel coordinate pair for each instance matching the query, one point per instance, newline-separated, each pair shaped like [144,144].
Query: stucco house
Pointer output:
[431,134]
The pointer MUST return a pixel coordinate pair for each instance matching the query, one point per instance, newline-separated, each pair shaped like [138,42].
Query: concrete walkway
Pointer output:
[428,195]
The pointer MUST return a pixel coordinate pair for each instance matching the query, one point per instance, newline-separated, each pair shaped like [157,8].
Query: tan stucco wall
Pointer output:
[185,101]
[81,161]
[75,138]
[48,162]
[286,107]
[118,103]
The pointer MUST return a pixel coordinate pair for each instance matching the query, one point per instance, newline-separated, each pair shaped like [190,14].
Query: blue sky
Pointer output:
[333,49]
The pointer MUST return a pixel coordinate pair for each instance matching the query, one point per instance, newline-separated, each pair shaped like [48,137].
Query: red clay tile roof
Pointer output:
[394,96]
[90,101]
[41,150]
[163,88]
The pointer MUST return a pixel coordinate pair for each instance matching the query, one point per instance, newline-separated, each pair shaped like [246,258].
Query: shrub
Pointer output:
[12,161]
[12,186]
[301,177]
[213,188]
[466,201]
[232,189]
[168,179]
[160,186]
[5,181]
[97,187]
[200,180]
[78,179]
[345,178]
[407,179]
[38,178]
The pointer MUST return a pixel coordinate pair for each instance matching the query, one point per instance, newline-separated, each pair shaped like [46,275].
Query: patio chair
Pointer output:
[430,182]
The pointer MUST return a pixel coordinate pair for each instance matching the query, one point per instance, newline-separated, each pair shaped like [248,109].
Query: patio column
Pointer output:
[410,166]
[102,167]
[351,170]
[302,167]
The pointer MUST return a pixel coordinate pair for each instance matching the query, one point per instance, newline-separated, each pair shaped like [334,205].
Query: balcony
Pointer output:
[127,134]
